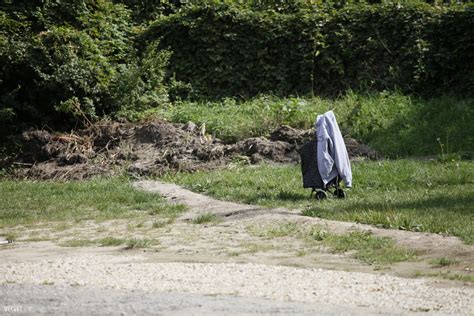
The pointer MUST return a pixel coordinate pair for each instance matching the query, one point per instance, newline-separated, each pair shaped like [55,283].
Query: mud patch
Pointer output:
[148,149]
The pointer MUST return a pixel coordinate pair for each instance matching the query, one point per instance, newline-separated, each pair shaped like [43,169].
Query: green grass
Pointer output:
[162,223]
[103,242]
[111,241]
[205,218]
[301,253]
[369,249]
[401,194]
[132,243]
[283,230]
[392,123]
[231,120]
[11,237]
[28,202]
[456,276]
[447,275]
[62,227]
[444,262]
[275,231]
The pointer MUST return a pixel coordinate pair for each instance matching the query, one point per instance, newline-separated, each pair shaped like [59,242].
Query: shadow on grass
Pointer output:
[450,204]
[451,215]
[291,196]
[280,196]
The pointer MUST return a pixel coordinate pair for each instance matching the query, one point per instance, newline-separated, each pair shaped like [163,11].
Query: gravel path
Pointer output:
[42,278]
[199,204]
[378,293]
[47,299]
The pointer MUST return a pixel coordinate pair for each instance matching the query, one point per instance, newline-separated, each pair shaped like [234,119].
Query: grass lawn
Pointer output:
[24,202]
[400,194]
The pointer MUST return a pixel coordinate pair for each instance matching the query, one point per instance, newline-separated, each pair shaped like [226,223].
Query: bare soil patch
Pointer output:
[146,149]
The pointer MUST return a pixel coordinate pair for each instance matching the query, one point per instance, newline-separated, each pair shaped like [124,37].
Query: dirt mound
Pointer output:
[148,149]
[291,135]
[259,148]
[37,146]
[357,149]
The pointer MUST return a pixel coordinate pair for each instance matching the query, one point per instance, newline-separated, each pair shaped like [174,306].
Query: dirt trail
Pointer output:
[224,267]
[432,245]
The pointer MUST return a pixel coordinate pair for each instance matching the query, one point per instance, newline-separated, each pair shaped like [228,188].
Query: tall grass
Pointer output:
[231,120]
[392,123]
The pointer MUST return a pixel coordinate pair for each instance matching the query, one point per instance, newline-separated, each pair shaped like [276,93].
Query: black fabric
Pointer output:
[309,165]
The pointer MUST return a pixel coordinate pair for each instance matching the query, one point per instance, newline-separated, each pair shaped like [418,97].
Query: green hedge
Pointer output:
[65,62]
[224,50]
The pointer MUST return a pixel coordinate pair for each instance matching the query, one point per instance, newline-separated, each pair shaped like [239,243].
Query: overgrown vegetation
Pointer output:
[399,75]
[393,124]
[404,194]
[67,63]
[24,203]
[447,275]
[136,243]
[278,230]
[318,50]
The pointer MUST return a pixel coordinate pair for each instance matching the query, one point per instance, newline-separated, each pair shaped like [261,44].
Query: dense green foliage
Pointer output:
[63,62]
[58,57]
[403,194]
[224,50]
[66,63]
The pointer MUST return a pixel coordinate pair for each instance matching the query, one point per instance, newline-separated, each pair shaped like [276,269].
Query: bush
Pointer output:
[67,62]
[229,50]
[58,60]
[140,85]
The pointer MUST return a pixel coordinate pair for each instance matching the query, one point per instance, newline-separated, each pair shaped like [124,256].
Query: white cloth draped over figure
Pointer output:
[331,151]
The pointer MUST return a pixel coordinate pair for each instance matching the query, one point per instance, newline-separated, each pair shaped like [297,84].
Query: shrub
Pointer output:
[230,50]
[139,85]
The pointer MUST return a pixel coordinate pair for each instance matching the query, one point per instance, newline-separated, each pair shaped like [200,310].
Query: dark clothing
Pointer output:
[309,166]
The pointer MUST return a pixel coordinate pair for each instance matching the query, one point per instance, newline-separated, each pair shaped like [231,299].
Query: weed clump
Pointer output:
[206,218]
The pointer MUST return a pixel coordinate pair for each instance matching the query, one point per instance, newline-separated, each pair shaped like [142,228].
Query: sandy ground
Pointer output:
[221,268]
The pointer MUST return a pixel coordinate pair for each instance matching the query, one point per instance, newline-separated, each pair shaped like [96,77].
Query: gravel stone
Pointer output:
[381,293]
